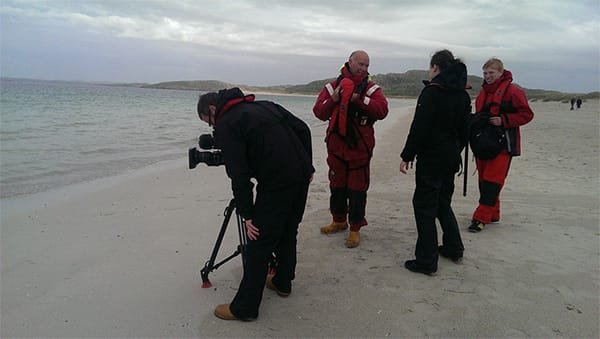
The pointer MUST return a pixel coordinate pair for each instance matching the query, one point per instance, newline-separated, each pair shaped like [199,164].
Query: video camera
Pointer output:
[211,157]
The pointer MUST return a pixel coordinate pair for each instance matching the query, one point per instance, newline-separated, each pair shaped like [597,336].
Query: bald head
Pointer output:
[359,63]
[359,52]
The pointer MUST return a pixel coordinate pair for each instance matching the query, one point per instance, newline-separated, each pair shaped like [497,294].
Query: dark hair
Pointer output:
[443,59]
[206,100]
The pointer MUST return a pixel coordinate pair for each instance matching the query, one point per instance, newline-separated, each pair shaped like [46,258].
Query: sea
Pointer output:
[54,134]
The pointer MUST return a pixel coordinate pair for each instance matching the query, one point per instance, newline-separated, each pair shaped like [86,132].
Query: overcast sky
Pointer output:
[550,44]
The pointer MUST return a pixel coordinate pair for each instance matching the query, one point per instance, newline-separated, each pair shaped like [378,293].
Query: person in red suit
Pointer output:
[509,109]
[352,103]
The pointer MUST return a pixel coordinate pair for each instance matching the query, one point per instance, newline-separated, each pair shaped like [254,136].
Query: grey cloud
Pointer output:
[244,34]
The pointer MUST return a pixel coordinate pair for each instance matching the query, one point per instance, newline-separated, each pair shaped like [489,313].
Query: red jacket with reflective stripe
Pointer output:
[372,103]
[514,110]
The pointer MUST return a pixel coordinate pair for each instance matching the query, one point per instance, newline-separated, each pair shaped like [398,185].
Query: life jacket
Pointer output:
[360,89]
[499,99]
[341,117]
[490,96]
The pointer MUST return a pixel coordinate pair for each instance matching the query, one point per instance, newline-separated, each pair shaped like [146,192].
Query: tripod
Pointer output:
[210,264]
[241,248]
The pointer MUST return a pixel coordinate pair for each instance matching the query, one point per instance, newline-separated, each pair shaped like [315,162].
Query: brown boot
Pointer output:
[269,284]
[334,227]
[223,312]
[353,239]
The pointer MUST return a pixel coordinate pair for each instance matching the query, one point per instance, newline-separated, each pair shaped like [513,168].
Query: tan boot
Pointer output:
[334,227]
[223,312]
[353,239]
[269,284]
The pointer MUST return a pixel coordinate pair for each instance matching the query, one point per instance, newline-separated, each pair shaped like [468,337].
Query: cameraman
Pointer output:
[264,141]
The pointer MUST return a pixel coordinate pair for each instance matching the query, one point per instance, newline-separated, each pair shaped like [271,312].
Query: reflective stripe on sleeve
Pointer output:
[329,89]
[366,100]
[372,90]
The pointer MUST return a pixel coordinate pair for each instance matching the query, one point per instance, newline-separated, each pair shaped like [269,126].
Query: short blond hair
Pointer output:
[494,63]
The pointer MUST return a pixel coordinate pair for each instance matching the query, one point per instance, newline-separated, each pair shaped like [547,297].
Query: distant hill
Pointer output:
[410,84]
[197,85]
[406,85]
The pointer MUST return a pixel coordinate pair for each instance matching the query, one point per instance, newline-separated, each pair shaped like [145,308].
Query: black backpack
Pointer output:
[485,139]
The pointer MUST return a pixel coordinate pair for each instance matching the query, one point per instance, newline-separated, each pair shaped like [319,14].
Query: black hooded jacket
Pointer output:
[438,132]
[261,140]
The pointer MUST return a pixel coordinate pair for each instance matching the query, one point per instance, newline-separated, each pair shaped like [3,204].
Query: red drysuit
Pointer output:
[350,141]
[504,99]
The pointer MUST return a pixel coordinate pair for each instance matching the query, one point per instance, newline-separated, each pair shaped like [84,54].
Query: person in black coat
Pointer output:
[437,136]
[261,140]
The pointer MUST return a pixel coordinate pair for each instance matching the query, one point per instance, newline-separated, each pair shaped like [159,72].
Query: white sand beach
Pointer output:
[120,257]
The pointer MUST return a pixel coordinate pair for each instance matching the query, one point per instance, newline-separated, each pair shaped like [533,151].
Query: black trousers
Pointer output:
[344,201]
[277,215]
[431,201]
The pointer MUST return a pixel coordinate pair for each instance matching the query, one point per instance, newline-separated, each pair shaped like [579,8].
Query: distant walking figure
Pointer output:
[572,103]
[579,103]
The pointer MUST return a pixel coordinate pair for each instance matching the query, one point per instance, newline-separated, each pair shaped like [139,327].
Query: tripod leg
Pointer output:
[466,170]
[243,236]
[210,264]
[272,265]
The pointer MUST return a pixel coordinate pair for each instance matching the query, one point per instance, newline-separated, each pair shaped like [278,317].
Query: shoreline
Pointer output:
[101,181]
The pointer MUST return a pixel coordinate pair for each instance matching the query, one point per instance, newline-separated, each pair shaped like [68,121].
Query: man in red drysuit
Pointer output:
[352,103]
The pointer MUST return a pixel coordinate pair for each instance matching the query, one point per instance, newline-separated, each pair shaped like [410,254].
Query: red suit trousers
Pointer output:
[348,181]
[492,175]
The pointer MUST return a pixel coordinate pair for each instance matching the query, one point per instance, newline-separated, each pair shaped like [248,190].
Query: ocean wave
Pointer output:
[104,150]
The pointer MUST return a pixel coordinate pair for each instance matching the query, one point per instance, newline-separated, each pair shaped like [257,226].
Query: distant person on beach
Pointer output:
[263,141]
[579,102]
[352,103]
[438,134]
[509,109]
[572,103]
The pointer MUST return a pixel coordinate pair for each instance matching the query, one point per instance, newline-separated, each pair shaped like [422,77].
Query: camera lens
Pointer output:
[206,141]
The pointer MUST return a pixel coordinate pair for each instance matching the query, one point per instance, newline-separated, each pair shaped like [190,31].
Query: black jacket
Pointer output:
[438,132]
[261,140]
